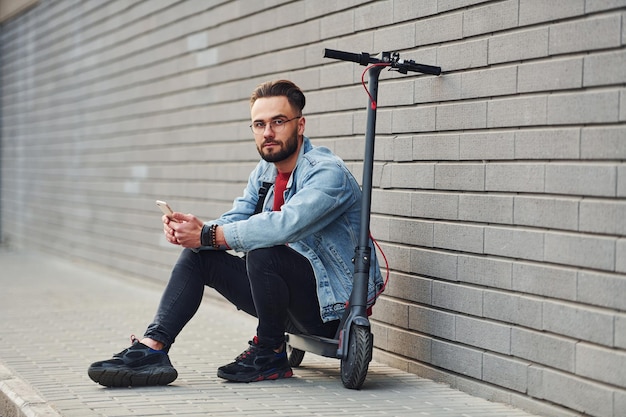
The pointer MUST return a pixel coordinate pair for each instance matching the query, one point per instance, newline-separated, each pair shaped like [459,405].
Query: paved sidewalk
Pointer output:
[56,317]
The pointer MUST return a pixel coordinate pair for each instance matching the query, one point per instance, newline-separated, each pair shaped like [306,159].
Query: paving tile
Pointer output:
[58,317]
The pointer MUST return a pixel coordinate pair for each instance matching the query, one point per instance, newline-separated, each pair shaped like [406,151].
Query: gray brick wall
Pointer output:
[500,186]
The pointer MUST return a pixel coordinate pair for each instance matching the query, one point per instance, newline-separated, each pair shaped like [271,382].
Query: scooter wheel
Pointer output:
[294,356]
[354,365]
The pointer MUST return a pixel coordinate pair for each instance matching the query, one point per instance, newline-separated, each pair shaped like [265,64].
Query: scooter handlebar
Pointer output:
[362,59]
[415,67]
[391,59]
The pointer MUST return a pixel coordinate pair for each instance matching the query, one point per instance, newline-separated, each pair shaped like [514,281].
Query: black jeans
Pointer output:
[270,284]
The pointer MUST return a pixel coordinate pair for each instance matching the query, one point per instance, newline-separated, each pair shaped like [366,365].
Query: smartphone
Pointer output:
[165,208]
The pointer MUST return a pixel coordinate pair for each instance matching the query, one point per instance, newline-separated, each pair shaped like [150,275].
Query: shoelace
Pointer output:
[254,345]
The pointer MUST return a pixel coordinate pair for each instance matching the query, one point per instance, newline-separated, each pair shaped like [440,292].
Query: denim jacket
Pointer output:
[319,219]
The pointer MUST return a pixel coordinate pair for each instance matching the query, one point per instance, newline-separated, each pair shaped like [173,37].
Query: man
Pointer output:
[298,243]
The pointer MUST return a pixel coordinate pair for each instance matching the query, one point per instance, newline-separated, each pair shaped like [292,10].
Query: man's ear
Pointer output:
[301,123]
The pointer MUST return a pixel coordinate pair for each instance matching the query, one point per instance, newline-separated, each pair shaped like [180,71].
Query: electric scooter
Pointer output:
[354,341]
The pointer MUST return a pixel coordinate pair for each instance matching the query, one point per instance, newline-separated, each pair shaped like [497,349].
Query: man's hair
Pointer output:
[280,88]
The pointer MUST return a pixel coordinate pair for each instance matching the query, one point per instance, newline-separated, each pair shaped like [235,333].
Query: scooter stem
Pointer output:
[362,256]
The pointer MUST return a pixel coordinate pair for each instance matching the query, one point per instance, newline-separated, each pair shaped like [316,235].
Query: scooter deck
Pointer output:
[315,344]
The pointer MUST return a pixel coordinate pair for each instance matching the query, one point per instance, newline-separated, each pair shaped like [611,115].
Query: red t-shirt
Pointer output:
[279,189]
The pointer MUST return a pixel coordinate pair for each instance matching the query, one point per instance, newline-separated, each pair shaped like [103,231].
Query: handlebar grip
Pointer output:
[429,69]
[341,55]
[425,69]
[362,58]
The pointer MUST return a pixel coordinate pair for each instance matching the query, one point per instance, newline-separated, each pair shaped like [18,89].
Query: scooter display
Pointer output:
[354,341]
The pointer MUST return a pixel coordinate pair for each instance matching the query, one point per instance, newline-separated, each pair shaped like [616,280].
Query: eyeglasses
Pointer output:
[277,125]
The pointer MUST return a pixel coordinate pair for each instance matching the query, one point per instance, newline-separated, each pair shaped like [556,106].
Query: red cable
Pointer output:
[380,64]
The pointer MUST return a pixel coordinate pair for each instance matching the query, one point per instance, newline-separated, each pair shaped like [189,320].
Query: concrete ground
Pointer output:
[56,317]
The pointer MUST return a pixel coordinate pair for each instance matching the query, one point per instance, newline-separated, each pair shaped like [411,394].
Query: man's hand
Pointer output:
[183,229]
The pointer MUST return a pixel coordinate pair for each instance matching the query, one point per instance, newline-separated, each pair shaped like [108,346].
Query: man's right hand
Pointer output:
[183,229]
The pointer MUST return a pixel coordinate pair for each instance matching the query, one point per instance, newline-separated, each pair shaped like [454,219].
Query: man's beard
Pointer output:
[289,148]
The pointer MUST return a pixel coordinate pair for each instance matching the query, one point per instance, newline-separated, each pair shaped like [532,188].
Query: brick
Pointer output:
[392,311]
[409,287]
[434,205]
[536,11]
[621,180]
[348,98]
[413,175]
[580,250]
[601,364]
[561,74]
[622,102]
[435,147]
[433,264]
[587,324]
[458,237]
[489,83]
[484,334]
[335,75]
[487,145]
[447,5]
[439,29]
[549,212]
[598,5]
[464,115]
[394,38]
[620,255]
[544,280]
[488,272]
[620,331]
[605,68]
[486,208]
[518,177]
[460,359]
[432,322]
[539,347]
[601,216]
[402,149]
[357,42]
[514,243]
[576,393]
[587,107]
[619,402]
[490,18]
[468,54]
[592,179]
[456,297]
[524,111]
[399,257]
[391,202]
[586,34]
[380,228]
[429,89]
[373,15]
[603,290]
[337,24]
[603,142]
[467,176]
[515,309]
[384,122]
[419,119]
[393,94]
[505,372]
[411,232]
[410,344]
[406,10]
[518,45]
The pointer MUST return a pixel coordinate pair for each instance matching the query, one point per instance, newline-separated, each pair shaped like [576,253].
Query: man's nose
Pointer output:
[268,131]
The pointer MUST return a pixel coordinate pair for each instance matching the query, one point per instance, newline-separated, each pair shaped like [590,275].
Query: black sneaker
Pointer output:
[257,363]
[136,366]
